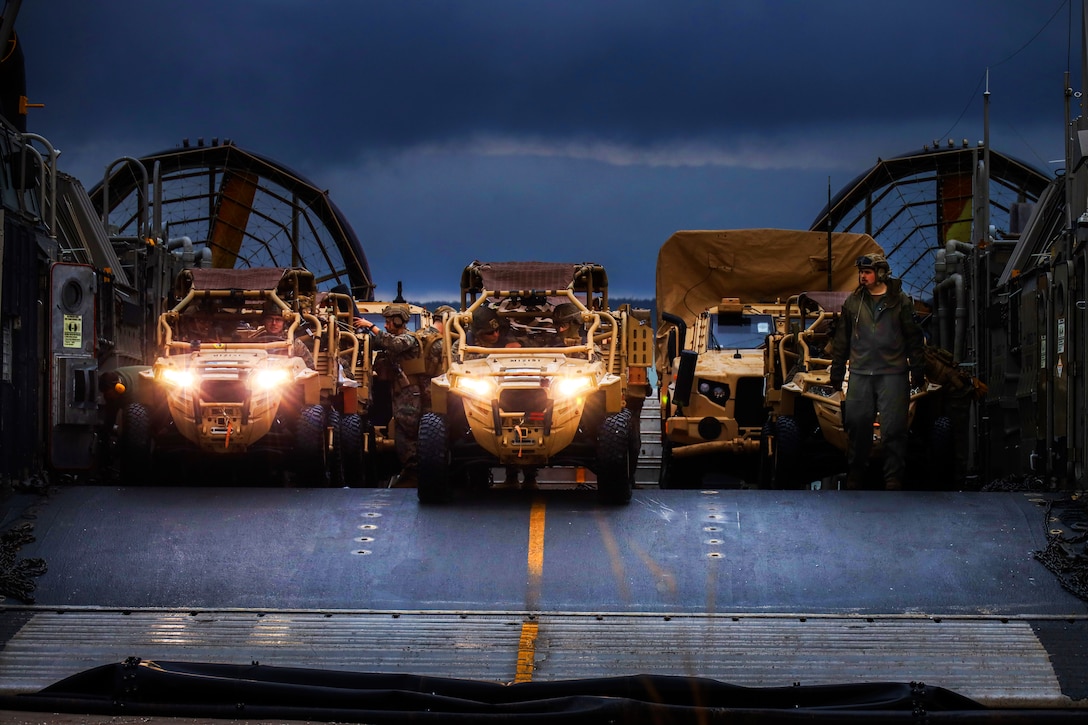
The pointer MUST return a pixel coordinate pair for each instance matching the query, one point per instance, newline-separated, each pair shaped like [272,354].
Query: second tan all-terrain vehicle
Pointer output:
[804,440]
[228,384]
[548,401]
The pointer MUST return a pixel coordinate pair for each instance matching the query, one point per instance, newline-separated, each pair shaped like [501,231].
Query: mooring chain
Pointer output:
[17,575]
[1064,554]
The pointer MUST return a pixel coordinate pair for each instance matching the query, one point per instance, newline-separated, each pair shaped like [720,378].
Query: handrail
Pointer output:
[50,199]
[141,212]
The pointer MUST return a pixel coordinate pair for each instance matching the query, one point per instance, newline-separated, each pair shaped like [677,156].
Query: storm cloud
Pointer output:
[552,130]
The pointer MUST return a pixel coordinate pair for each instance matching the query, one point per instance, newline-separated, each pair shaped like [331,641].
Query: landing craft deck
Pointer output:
[760,588]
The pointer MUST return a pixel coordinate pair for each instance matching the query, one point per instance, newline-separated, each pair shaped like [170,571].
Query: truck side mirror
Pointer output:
[685,377]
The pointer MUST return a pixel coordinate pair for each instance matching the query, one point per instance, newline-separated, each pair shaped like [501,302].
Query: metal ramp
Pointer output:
[760,588]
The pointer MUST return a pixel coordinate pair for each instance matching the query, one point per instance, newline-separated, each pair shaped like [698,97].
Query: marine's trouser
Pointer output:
[408,408]
[865,396]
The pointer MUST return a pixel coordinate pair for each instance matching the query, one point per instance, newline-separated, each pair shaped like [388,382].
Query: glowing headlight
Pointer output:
[570,387]
[178,378]
[268,378]
[476,387]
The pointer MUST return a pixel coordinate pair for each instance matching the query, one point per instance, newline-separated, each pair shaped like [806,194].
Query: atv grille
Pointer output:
[533,400]
[223,391]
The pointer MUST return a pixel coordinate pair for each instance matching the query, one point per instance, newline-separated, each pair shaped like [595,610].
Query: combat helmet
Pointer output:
[566,312]
[271,309]
[876,262]
[485,319]
[397,310]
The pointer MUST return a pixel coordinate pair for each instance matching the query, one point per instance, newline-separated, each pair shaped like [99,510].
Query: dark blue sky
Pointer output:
[580,130]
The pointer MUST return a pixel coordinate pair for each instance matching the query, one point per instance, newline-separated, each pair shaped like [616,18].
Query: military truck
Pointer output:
[721,298]
[550,401]
[224,387]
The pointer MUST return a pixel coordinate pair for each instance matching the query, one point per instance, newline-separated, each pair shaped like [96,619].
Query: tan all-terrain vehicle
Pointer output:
[253,364]
[721,299]
[549,401]
[804,440]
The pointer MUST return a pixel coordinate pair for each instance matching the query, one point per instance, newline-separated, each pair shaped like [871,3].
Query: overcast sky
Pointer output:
[552,130]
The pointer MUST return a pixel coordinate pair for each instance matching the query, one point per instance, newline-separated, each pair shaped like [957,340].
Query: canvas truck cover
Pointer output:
[696,269]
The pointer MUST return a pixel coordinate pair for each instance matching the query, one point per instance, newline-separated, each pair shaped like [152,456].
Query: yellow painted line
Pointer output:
[536,553]
[526,651]
[529,630]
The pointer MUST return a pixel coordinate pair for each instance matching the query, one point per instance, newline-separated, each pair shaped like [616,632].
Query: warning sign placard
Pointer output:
[73,331]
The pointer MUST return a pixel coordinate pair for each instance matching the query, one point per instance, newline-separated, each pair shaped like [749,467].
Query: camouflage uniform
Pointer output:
[411,393]
[400,354]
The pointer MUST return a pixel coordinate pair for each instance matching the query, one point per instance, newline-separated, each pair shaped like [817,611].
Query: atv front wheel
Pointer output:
[310,460]
[433,485]
[353,434]
[787,447]
[613,455]
[766,457]
[134,445]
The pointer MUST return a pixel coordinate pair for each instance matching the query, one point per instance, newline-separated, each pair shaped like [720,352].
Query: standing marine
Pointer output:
[408,359]
[878,335]
[401,360]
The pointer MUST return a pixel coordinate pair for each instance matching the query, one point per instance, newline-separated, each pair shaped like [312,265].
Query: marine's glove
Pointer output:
[917,379]
[836,382]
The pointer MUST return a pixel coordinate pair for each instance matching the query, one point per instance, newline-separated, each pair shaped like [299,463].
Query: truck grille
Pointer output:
[748,403]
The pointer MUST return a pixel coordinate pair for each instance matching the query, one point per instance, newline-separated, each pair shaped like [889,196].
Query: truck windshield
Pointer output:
[746,332]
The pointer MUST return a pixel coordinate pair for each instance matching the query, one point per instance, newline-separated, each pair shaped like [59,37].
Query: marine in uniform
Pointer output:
[410,384]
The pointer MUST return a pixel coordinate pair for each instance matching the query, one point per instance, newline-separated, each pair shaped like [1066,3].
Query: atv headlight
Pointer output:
[177,378]
[572,386]
[475,387]
[270,378]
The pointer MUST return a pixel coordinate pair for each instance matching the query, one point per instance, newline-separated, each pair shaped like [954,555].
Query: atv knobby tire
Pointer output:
[135,444]
[353,449]
[787,448]
[310,462]
[613,455]
[433,474]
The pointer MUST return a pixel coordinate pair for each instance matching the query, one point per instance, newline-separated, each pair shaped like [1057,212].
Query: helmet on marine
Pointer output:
[485,319]
[566,312]
[876,262]
[397,310]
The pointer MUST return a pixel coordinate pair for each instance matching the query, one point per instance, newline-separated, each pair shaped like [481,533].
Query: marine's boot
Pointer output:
[405,479]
